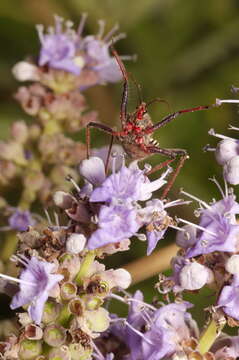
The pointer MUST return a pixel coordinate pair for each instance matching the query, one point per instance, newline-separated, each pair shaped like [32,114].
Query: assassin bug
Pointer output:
[137,129]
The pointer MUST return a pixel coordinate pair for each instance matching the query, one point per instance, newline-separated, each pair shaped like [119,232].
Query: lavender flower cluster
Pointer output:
[59,286]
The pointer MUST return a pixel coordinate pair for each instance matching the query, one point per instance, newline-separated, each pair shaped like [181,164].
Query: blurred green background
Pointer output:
[188,54]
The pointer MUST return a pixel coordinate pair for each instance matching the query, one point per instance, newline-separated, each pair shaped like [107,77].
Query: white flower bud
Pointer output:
[62,199]
[24,71]
[186,238]
[75,243]
[194,276]
[123,278]
[226,149]
[93,170]
[231,171]
[232,265]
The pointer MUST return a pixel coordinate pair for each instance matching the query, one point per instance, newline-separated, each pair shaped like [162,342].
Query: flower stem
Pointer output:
[64,316]
[88,260]
[209,336]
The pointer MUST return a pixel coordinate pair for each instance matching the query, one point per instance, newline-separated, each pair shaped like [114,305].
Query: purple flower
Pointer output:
[20,220]
[98,54]
[171,325]
[226,347]
[115,223]
[127,185]
[36,281]
[229,298]
[157,220]
[58,49]
[219,230]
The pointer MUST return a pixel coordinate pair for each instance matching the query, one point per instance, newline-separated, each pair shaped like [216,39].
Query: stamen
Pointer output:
[231,101]
[208,148]
[176,203]
[218,185]
[70,178]
[226,187]
[128,300]
[82,24]
[101,28]
[133,57]
[11,278]
[109,35]
[141,237]
[138,332]
[48,217]
[116,38]
[195,198]
[56,216]
[212,132]
[177,228]
[94,219]
[98,352]
[58,24]
[114,155]
[233,128]
[40,30]
[196,226]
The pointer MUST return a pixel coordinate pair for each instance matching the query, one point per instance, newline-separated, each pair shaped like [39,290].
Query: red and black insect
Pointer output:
[137,130]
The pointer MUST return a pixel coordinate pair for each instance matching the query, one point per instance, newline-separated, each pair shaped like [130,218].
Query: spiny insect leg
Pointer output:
[101,127]
[173,116]
[174,176]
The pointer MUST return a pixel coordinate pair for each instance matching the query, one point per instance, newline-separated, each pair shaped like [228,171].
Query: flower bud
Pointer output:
[75,243]
[51,312]
[24,71]
[78,352]
[194,276]
[232,264]
[54,335]
[68,290]
[93,170]
[34,131]
[29,349]
[98,320]
[122,278]
[19,131]
[231,171]
[13,151]
[186,238]
[226,149]
[61,353]
[33,332]
[63,199]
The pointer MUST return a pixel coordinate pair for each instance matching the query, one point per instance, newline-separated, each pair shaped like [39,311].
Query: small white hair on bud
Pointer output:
[123,278]
[63,199]
[24,71]
[93,170]
[231,171]
[232,264]
[194,276]
[226,150]
[75,243]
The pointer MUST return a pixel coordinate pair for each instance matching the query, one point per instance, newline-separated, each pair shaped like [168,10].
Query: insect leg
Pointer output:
[124,101]
[173,116]
[102,127]
[174,176]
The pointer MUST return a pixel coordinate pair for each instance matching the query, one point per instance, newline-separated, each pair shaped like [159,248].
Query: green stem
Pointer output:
[88,260]
[209,336]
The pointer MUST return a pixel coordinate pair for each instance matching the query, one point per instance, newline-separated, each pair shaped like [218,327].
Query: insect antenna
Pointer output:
[124,101]
[159,100]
